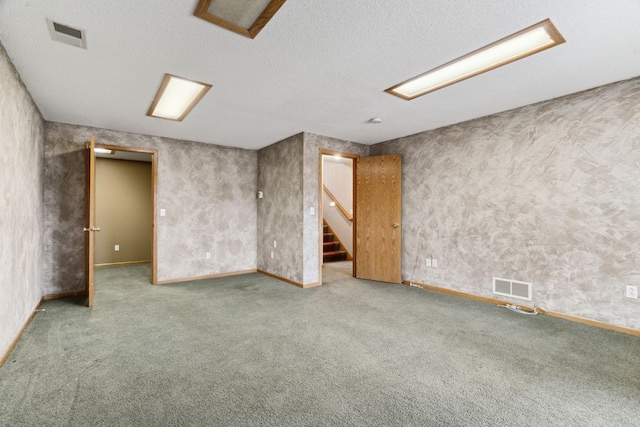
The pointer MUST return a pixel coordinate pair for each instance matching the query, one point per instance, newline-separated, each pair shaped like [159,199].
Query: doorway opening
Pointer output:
[337,211]
[125,205]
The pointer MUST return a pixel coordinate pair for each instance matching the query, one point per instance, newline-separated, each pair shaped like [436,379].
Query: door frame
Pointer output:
[353,157]
[154,195]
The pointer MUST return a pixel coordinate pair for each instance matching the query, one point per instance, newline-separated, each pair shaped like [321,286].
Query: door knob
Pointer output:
[396,225]
[91,229]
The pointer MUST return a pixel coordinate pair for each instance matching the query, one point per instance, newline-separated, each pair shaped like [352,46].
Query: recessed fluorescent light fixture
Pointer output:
[247,17]
[534,39]
[176,97]
[103,150]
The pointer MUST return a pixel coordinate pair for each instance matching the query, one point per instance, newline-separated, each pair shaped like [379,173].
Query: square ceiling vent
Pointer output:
[67,35]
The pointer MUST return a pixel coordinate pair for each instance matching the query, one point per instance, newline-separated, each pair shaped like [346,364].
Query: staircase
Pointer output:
[332,249]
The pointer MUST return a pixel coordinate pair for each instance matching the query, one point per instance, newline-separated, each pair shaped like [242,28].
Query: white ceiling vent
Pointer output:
[67,35]
[512,288]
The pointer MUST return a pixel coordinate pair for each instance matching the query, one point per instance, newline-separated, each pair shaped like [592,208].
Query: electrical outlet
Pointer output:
[272,255]
[428,263]
[434,263]
[275,244]
[163,212]
[632,291]
[207,255]
[116,248]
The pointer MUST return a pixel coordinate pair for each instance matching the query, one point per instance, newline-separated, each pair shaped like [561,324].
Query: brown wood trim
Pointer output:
[65,295]
[342,246]
[338,204]
[456,293]
[324,152]
[115,264]
[209,276]
[125,148]
[154,189]
[596,323]
[6,354]
[553,32]
[268,13]
[154,223]
[577,319]
[163,87]
[265,17]
[291,282]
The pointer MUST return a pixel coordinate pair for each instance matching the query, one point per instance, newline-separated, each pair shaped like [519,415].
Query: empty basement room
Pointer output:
[166,207]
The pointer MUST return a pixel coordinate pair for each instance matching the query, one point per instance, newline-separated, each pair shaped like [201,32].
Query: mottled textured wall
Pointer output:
[208,192]
[280,211]
[312,146]
[547,193]
[21,203]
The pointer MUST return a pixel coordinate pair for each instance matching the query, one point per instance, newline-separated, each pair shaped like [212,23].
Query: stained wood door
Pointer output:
[90,227]
[378,218]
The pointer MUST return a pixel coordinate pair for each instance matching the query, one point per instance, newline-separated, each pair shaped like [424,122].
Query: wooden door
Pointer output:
[90,228]
[378,218]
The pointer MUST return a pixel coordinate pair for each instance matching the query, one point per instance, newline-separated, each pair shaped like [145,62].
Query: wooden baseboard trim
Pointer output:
[210,276]
[64,295]
[116,264]
[456,293]
[596,323]
[311,285]
[6,354]
[576,319]
[291,282]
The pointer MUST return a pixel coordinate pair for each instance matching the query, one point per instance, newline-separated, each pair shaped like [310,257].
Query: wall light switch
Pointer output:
[272,255]
[312,211]
[260,195]
[116,248]
[162,212]
[275,244]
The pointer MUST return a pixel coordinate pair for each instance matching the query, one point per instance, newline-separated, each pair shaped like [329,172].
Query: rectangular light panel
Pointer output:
[531,40]
[239,12]
[176,97]
[103,150]
[245,17]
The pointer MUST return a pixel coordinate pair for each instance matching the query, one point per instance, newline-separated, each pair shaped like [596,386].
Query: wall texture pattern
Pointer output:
[548,193]
[280,211]
[202,187]
[21,202]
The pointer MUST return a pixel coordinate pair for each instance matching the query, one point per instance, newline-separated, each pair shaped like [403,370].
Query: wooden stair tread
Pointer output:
[334,253]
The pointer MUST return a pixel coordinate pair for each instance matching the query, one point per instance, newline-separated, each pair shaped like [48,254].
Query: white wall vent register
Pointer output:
[512,288]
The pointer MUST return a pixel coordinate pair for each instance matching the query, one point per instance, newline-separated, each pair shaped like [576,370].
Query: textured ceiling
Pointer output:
[318,66]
